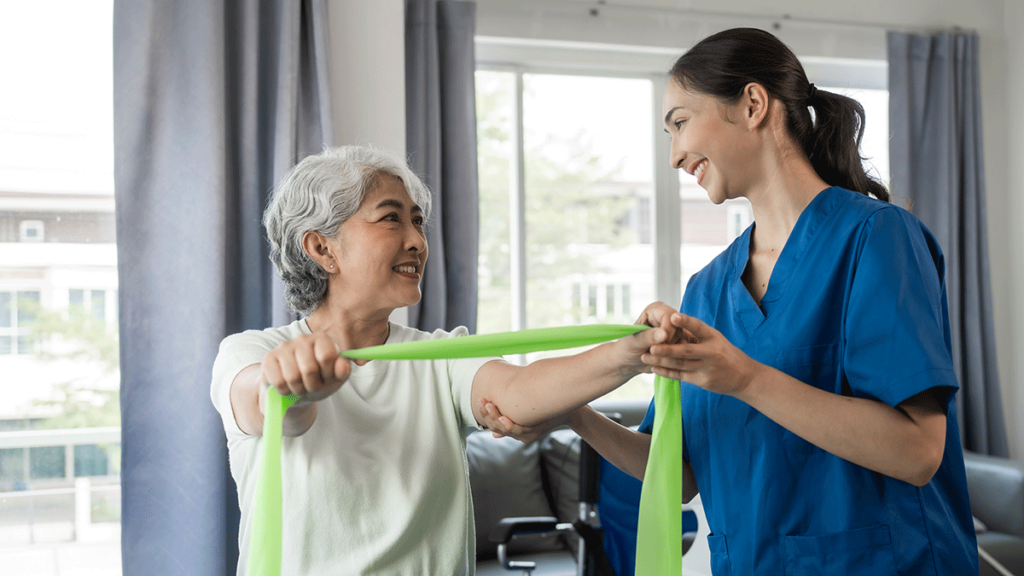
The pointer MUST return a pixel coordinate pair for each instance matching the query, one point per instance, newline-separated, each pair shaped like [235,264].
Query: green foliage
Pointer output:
[81,336]
[78,336]
[563,214]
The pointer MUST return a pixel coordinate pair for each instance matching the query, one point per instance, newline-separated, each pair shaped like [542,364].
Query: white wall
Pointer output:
[845,29]
[368,72]
[368,77]
[1003,79]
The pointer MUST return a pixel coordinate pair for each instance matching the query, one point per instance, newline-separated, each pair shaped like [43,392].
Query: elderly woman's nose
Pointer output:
[415,239]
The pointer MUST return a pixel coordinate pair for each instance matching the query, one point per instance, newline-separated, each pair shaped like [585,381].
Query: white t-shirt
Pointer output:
[380,483]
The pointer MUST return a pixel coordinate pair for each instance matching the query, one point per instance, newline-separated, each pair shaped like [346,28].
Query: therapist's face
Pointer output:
[708,142]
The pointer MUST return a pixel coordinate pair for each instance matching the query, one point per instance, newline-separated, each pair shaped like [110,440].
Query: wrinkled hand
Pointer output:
[501,426]
[704,358]
[308,366]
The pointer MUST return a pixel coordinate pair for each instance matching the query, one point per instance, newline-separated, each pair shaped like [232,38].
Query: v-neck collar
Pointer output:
[800,239]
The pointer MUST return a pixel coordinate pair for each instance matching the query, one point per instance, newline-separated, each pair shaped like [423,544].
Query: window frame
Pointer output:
[521,56]
[667,231]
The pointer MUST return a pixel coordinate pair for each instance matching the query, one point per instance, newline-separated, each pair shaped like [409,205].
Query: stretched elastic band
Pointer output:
[265,552]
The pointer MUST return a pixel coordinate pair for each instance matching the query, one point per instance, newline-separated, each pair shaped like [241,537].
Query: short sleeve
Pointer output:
[236,352]
[896,325]
[461,372]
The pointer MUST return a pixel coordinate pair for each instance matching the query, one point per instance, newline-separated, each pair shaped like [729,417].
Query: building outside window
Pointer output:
[59,435]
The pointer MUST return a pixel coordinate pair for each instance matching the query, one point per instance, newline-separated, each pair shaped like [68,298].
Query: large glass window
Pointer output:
[59,436]
[569,227]
[568,181]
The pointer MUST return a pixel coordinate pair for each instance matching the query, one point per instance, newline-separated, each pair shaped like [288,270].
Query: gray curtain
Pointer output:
[937,163]
[213,101]
[440,116]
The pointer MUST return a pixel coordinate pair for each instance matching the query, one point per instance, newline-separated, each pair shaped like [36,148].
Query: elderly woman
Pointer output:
[374,471]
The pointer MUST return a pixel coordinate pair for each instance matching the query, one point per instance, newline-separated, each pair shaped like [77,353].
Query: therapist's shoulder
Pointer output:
[886,222]
[864,208]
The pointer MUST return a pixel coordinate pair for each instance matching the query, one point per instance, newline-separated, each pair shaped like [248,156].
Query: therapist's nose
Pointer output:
[676,155]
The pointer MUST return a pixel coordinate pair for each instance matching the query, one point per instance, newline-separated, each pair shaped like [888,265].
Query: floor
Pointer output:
[51,550]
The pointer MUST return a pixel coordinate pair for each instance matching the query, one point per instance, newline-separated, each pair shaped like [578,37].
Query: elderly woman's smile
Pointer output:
[381,249]
[408,270]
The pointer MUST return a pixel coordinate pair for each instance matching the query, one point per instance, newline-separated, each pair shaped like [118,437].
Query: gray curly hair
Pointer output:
[319,194]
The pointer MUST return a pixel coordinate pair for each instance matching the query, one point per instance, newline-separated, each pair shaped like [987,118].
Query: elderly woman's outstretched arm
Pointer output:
[548,388]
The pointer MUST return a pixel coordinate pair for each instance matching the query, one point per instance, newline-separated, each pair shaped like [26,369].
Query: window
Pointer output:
[58,290]
[95,302]
[31,231]
[17,313]
[582,219]
[565,232]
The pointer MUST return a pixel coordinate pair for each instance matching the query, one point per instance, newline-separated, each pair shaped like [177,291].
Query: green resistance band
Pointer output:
[265,538]
[659,535]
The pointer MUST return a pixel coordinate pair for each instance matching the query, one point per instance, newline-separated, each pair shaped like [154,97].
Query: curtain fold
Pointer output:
[937,164]
[440,102]
[213,102]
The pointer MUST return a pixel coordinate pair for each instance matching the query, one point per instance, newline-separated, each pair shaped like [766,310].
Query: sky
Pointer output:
[56,101]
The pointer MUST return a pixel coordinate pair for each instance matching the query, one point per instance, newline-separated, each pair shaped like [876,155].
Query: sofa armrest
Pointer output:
[996,488]
[509,528]
[503,532]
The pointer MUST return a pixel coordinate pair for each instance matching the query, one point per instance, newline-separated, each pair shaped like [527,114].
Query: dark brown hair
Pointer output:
[723,64]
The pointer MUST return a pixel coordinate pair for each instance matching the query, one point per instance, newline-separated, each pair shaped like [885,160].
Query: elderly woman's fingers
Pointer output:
[271,374]
[325,352]
[341,369]
[310,376]
[290,373]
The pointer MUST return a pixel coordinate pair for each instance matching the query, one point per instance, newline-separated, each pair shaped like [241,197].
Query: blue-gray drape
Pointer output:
[213,102]
[440,111]
[937,163]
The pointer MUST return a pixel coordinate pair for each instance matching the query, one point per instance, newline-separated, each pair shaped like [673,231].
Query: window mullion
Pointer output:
[517,208]
[666,207]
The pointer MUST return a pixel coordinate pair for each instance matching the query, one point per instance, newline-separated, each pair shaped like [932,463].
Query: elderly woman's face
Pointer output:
[382,249]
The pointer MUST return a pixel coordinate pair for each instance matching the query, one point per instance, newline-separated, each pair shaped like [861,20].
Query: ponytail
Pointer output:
[833,145]
[723,64]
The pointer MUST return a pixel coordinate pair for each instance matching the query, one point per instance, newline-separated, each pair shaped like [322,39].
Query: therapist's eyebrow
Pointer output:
[669,114]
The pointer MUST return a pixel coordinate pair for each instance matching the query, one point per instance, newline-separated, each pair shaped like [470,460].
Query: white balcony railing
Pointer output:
[78,509]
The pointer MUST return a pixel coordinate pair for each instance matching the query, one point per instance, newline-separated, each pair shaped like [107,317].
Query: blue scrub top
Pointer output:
[856,305]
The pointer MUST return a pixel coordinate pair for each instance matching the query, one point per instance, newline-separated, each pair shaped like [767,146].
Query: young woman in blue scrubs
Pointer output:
[814,353]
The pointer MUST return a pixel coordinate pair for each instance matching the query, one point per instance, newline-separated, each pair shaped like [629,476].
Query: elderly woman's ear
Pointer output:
[315,244]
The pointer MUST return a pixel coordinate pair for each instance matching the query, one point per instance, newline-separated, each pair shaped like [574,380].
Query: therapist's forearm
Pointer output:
[865,432]
[626,449]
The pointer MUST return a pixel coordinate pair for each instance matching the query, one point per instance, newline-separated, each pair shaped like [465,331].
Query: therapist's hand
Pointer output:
[501,426]
[704,358]
[659,315]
